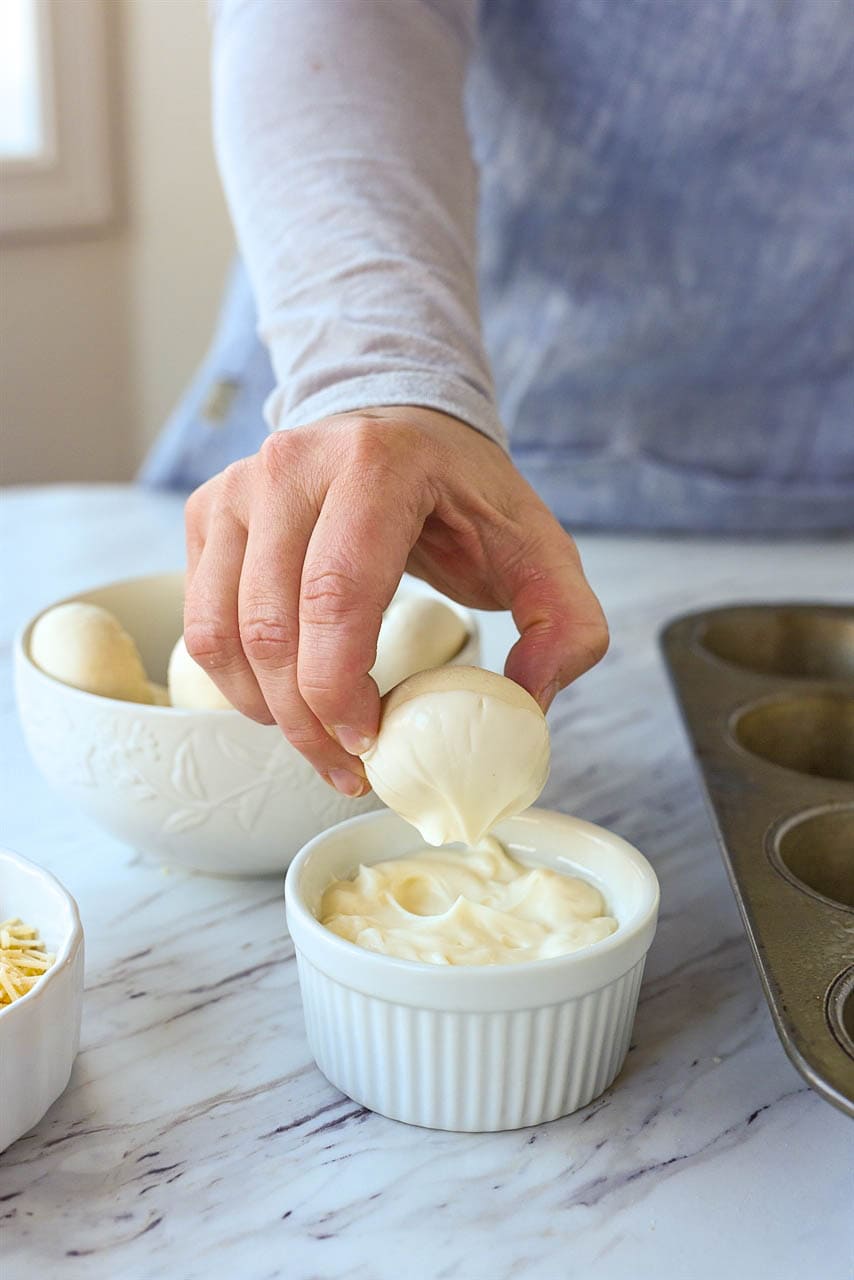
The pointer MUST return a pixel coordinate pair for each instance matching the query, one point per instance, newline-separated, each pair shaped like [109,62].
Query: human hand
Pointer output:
[294,553]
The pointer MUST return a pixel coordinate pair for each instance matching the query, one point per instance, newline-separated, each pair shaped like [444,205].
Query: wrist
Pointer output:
[427,398]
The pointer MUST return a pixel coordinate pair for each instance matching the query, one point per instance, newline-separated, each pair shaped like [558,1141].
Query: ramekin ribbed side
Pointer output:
[469,1071]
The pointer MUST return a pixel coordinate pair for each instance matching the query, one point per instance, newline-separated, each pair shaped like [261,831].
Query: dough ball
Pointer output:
[87,647]
[416,633]
[190,686]
[159,694]
[458,750]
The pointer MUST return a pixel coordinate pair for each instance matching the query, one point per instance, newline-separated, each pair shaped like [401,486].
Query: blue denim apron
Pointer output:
[667,266]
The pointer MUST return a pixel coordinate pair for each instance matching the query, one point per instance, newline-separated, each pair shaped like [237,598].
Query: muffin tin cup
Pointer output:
[767,694]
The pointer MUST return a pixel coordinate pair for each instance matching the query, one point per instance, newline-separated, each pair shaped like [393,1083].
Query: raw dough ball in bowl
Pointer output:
[209,791]
[417,632]
[85,646]
[459,749]
[190,686]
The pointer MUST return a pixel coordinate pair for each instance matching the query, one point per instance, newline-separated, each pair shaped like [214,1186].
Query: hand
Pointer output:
[294,553]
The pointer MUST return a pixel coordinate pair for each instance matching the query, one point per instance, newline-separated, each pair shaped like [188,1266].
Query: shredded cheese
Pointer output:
[23,959]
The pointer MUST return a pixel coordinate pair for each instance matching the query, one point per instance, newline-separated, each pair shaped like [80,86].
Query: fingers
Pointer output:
[268,611]
[562,628]
[211,628]
[295,554]
[355,559]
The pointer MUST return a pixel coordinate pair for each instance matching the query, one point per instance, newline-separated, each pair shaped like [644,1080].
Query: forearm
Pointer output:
[342,142]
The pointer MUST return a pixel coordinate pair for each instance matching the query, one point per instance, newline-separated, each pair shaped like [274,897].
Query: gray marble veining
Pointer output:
[198,1140]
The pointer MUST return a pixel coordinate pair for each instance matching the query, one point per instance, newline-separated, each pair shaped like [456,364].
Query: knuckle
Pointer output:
[365,440]
[267,640]
[231,482]
[380,446]
[591,641]
[520,556]
[322,690]
[210,645]
[305,738]
[310,742]
[533,579]
[329,596]
[196,505]
[279,454]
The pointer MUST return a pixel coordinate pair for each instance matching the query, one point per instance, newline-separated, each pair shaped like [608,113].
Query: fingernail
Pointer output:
[349,784]
[547,695]
[351,740]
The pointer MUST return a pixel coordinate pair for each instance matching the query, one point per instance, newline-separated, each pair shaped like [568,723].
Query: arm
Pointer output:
[343,147]
[341,137]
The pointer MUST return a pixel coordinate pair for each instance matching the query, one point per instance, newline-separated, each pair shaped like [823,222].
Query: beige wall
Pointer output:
[99,334]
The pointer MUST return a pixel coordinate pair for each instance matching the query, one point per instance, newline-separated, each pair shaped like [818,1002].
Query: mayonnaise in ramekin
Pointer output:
[465,907]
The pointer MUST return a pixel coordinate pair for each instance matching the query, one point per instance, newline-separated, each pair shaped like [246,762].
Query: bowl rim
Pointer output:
[66,954]
[21,648]
[631,939]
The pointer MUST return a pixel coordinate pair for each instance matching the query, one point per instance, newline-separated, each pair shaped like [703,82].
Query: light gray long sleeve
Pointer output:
[341,138]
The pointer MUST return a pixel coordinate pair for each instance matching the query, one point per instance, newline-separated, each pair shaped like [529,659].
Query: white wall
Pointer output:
[181,239]
[99,334]
[65,403]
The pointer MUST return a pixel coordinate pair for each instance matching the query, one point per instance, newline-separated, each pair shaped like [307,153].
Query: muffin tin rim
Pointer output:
[712,693]
[732,715]
[777,829]
[840,990]
[700,624]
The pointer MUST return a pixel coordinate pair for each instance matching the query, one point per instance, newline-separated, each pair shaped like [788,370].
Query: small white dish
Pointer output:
[477,1048]
[39,1032]
[209,791]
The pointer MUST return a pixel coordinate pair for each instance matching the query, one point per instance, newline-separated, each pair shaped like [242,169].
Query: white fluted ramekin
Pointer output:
[40,1032]
[477,1048]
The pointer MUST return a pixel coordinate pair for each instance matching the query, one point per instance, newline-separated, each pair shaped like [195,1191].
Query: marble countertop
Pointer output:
[197,1139]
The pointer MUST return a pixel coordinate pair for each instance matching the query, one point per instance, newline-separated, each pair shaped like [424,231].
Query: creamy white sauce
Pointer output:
[465,907]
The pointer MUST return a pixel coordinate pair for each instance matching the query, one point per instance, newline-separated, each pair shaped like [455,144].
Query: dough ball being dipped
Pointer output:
[458,750]
[416,633]
[190,686]
[87,647]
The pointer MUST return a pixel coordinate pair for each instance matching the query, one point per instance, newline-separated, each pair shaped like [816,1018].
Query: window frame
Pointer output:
[67,186]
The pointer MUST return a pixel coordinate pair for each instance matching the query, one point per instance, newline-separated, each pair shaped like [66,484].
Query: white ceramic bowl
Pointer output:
[210,791]
[475,1048]
[40,1032]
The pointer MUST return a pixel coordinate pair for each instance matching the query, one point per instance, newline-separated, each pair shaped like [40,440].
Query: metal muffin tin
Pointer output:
[767,693]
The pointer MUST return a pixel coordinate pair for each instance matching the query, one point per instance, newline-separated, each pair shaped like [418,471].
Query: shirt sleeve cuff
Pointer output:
[447,395]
